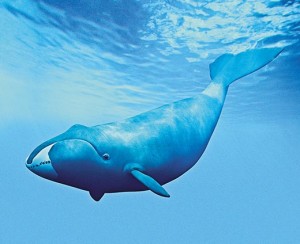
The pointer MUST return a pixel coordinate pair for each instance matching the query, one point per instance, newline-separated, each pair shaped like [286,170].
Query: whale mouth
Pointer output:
[52,142]
[42,165]
[55,160]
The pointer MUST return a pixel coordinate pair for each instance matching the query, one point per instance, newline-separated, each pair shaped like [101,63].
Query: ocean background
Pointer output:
[91,62]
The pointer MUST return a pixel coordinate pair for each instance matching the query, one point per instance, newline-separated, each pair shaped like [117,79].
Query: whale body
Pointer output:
[146,151]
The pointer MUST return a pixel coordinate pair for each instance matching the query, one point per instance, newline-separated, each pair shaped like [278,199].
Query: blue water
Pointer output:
[91,62]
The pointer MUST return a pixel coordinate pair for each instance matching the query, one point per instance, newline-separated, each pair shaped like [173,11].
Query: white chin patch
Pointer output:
[41,164]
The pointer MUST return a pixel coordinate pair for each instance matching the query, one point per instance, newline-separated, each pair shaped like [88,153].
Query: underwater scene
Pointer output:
[150,121]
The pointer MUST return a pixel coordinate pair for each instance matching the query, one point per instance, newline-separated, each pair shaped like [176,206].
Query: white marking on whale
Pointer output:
[148,150]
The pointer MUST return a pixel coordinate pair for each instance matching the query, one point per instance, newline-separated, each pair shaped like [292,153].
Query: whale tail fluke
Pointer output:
[228,67]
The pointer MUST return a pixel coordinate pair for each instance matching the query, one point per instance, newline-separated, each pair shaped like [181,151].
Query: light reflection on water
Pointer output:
[106,60]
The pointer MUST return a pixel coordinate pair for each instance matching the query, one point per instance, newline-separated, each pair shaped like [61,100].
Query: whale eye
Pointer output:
[105,156]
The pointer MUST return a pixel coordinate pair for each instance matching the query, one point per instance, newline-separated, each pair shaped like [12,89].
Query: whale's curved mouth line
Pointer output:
[45,144]
[42,165]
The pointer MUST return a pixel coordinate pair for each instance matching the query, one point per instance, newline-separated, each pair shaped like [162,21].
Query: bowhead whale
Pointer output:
[149,150]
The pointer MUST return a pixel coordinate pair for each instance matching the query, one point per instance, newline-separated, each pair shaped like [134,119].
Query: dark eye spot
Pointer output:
[106,156]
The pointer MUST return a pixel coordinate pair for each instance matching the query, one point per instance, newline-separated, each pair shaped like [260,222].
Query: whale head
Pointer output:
[74,162]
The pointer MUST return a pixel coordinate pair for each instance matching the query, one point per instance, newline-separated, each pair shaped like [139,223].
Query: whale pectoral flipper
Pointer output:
[96,195]
[150,183]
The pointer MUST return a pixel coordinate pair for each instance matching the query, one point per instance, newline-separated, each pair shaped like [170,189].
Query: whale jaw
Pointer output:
[41,164]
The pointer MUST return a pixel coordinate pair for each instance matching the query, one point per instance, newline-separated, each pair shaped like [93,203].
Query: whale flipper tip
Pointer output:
[150,183]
